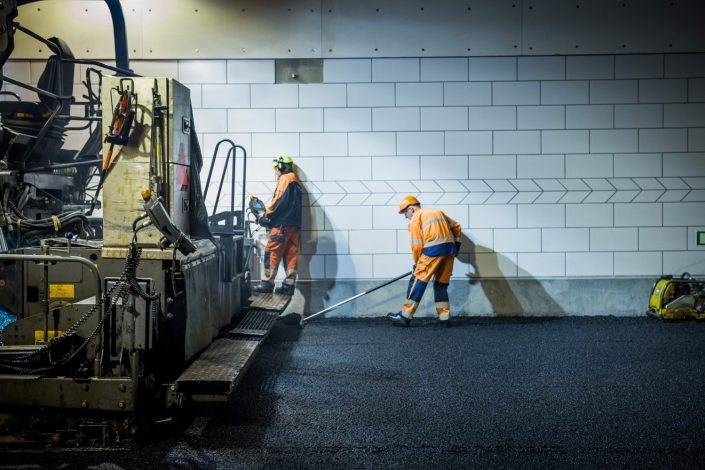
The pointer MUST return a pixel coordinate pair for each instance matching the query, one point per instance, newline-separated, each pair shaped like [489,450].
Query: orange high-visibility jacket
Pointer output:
[433,233]
[285,208]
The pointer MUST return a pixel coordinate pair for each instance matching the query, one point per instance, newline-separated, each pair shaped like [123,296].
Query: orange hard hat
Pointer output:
[406,202]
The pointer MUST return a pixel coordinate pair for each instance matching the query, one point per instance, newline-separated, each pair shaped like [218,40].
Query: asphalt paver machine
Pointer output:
[126,312]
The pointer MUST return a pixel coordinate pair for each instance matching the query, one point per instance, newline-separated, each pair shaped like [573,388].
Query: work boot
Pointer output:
[445,323]
[285,289]
[398,319]
[264,287]
[444,320]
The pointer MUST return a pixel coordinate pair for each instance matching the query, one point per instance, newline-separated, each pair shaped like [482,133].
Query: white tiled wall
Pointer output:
[556,166]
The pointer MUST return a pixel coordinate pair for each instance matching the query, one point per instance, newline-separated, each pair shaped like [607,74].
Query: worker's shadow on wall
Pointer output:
[317,272]
[507,297]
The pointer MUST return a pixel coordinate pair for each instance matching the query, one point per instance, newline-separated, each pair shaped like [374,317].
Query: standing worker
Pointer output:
[283,218]
[435,242]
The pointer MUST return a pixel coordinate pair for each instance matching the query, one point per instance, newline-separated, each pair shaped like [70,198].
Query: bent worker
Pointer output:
[283,218]
[435,242]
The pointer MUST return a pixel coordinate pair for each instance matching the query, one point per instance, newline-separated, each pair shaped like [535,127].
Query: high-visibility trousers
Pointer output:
[283,244]
[438,268]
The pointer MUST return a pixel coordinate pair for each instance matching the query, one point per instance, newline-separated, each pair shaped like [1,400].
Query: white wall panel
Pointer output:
[444,118]
[663,140]
[395,70]
[386,266]
[663,238]
[588,166]
[541,264]
[250,71]
[565,92]
[638,115]
[663,91]
[347,119]
[273,145]
[638,66]
[541,215]
[637,264]
[541,68]
[495,265]
[517,142]
[589,117]
[540,166]
[225,96]
[637,164]
[486,216]
[565,239]
[347,70]
[696,140]
[373,94]
[251,120]
[386,168]
[299,120]
[589,264]
[540,117]
[679,262]
[558,27]
[395,119]
[613,91]
[569,141]
[324,242]
[613,239]
[504,93]
[618,141]
[492,68]
[322,95]
[467,93]
[468,143]
[367,28]
[420,143]
[419,94]
[492,117]
[347,168]
[685,66]
[589,215]
[328,144]
[373,241]
[589,67]
[444,69]
[348,266]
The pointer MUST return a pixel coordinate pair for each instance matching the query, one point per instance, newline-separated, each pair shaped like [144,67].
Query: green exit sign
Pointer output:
[701,238]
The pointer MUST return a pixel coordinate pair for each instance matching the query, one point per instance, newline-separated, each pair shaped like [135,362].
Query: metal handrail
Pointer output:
[231,151]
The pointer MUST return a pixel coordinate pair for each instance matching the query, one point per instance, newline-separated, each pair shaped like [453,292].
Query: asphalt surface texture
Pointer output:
[574,392]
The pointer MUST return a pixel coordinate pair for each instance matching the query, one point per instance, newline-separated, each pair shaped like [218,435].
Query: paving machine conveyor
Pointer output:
[218,370]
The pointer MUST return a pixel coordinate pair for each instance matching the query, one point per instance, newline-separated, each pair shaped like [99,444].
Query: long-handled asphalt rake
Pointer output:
[333,307]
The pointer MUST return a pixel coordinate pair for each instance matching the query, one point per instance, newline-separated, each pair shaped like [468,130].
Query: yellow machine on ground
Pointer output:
[677,298]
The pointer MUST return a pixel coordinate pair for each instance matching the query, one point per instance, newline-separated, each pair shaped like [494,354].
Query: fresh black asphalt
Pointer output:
[574,392]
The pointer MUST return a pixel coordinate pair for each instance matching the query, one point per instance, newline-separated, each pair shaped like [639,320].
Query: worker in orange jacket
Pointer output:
[435,242]
[283,218]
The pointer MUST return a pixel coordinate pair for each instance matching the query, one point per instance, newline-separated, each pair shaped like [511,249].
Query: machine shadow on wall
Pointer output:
[507,297]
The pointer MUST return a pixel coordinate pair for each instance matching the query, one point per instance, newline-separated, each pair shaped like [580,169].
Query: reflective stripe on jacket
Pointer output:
[433,233]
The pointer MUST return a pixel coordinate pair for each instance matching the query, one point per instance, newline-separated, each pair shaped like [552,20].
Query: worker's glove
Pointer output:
[264,221]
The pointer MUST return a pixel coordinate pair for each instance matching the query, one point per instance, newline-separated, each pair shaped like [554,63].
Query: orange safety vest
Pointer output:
[433,233]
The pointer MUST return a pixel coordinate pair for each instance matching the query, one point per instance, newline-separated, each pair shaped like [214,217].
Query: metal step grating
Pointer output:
[218,368]
[256,323]
[269,301]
